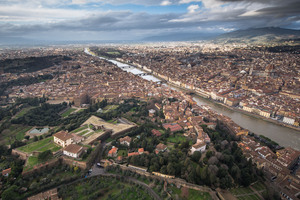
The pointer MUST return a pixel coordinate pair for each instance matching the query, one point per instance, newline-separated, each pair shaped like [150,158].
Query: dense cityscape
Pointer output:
[85,116]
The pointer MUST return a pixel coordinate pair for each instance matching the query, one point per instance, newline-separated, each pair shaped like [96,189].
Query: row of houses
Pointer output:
[278,165]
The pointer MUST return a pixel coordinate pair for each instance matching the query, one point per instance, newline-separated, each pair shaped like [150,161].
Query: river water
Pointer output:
[282,135]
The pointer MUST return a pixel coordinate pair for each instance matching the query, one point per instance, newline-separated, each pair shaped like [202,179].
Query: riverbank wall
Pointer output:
[207,97]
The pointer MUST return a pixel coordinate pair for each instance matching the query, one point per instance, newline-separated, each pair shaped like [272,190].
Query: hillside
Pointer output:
[173,37]
[259,35]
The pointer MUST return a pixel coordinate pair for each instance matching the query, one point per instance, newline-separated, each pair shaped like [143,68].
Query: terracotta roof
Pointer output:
[125,139]
[63,135]
[113,150]
[199,145]
[6,171]
[119,158]
[133,154]
[173,127]
[156,132]
[73,148]
[161,147]
[141,150]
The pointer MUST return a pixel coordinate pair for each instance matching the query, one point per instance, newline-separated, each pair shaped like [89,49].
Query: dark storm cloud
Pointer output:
[126,21]
[239,15]
[260,1]
[286,9]
[111,21]
[9,29]
[274,7]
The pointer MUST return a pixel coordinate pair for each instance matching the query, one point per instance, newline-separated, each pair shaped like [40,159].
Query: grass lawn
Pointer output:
[56,148]
[244,193]
[80,110]
[20,135]
[36,146]
[249,197]
[12,133]
[104,188]
[23,112]
[88,146]
[113,53]
[144,180]
[195,195]
[109,108]
[80,129]
[259,186]
[176,138]
[122,153]
[113,121]
[99,131]
[88,135]
[170,145]
[175,191]
[51,146]
[240,190]
[68,112]
[109,140]
[83,132]
[31,161]
[128,192]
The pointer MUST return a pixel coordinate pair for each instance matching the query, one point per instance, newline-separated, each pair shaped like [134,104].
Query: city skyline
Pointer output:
[134,20]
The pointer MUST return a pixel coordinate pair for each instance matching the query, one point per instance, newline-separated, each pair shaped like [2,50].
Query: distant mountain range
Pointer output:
[252,35]
[248,36]
[259,35]
[180,37]
[25,42]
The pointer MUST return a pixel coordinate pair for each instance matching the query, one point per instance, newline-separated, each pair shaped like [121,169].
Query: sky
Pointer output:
[61,20]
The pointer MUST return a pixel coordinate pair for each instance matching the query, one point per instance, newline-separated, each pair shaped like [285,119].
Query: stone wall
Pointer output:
[42,166]
[69,161]
[176,181]
[22,155]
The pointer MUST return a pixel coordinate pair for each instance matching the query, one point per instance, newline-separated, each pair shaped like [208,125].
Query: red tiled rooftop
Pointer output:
[63,135]
[133,154]
[6,171]
[173,127]
[73,148]
[113,150]
[156,132]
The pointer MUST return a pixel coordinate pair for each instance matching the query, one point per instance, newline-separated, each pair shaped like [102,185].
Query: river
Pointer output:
[282,135]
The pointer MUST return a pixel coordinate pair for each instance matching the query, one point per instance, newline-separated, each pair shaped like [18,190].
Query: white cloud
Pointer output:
[79,1]
[249,13]
[212,3]
[192,8]
[227,29]
[165,3]
[188,1]
[21,14]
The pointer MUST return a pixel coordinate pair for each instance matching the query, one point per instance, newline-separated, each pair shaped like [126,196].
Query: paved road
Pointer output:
[97,170]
